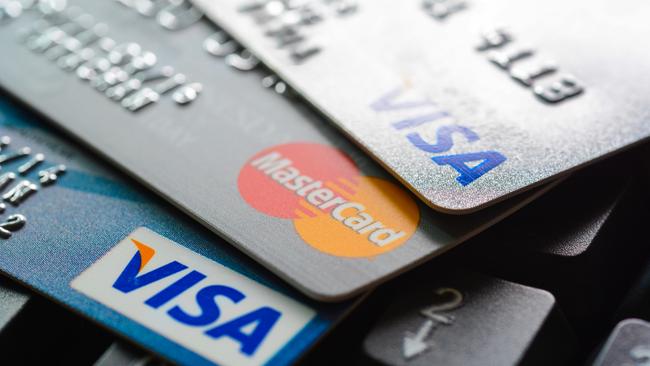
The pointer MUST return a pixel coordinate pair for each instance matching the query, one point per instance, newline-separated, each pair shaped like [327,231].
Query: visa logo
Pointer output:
[421,116]
[210,309]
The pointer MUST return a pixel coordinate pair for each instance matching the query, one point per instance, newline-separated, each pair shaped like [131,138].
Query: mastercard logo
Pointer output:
[334,208]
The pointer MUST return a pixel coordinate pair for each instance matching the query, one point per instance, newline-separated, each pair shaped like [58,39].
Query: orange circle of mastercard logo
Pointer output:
[334,208]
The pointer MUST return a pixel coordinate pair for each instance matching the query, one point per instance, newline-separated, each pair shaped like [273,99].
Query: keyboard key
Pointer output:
[12,302]
[636,303]
[568,242]
[463,318]
[628,345]
[123,354]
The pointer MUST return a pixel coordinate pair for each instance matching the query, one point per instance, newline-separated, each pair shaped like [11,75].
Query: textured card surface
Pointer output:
[250,164]
[108,250]
[465,101]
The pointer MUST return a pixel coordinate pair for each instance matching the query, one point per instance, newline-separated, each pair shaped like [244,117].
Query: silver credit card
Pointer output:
[465,101]
[271,177]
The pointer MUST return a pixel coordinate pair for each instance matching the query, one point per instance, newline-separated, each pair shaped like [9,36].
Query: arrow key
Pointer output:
[463,318]
[628,344]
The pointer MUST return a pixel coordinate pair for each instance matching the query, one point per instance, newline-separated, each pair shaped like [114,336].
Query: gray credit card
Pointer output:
[247,162]
[465,101]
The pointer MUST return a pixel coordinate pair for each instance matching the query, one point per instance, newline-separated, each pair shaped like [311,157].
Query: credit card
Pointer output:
[106,248]
[467,102]
[252,165]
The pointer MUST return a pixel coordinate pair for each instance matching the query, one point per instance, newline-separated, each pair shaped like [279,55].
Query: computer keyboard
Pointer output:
[524,324]
[256,233]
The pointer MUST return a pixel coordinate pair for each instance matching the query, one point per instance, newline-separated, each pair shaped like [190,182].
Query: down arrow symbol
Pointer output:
[414,344]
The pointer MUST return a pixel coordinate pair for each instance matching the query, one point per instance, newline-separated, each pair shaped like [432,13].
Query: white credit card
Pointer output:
[465,101]
[187,293]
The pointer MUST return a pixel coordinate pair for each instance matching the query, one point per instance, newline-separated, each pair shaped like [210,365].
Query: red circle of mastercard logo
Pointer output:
[334,208]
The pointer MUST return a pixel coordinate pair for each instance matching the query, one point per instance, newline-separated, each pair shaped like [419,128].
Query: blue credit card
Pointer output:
[91,239]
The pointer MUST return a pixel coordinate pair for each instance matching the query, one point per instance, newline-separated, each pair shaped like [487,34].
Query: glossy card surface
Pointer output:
[252,165]
[465,101]
[107,249]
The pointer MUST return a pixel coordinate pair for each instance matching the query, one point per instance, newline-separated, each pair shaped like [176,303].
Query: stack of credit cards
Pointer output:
[86,237]
[225,181]
[264,172]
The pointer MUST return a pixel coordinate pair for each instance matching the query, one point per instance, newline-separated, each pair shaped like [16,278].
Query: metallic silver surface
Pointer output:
[592,103]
